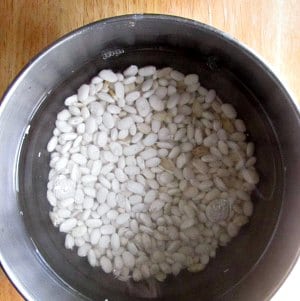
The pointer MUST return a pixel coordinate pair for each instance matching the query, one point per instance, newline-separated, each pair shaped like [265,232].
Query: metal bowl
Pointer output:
[32,252]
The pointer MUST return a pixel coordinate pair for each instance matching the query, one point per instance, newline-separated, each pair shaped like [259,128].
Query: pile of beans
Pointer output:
[150,173]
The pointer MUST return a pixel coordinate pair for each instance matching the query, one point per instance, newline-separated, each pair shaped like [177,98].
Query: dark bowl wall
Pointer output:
[231,263]
[252,266]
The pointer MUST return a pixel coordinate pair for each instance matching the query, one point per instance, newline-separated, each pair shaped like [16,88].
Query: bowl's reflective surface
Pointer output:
[241,270]
[231,263]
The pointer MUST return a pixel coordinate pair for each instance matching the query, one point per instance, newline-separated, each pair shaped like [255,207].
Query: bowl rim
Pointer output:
[15,279]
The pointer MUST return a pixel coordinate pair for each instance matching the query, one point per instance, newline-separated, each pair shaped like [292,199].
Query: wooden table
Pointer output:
[270,27]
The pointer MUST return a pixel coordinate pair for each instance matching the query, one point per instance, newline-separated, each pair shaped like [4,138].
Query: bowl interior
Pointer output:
[232,262]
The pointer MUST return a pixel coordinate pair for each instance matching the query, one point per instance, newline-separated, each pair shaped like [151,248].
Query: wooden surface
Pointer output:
[270,27]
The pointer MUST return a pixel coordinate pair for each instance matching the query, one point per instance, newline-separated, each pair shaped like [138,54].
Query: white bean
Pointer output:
[108,75]
[131,70]
[150,139]
[228,110]
[106,264]
[108,120]
[143,107]
[156,103]
[136,187]
[105,97]
[119,90]
[147,71]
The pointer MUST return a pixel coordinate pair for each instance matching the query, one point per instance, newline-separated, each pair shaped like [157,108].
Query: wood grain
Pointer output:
[7,291]
[270,27]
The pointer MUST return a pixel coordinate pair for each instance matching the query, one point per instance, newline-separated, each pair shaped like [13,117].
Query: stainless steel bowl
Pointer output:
[252,266]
